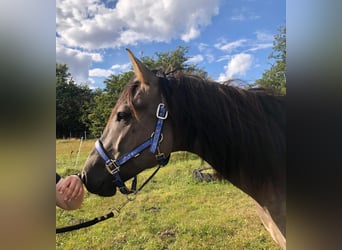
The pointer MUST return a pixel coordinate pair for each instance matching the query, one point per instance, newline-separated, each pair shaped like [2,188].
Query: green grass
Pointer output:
[173,211]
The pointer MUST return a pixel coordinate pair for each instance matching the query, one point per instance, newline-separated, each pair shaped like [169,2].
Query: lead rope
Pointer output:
[130,197]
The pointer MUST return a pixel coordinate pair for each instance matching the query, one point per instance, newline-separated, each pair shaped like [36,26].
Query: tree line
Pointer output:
[83,112]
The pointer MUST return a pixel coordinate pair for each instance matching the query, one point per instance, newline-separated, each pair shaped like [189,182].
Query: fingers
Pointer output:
[74,191]
[71,188]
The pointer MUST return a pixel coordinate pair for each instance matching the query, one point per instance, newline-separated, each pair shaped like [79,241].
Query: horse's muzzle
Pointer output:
[104,188]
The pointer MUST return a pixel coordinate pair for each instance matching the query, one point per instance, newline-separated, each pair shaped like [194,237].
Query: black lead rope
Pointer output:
[84,224]
[107,216]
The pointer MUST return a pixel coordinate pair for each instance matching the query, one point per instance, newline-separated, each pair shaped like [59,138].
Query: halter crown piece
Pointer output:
[113,166]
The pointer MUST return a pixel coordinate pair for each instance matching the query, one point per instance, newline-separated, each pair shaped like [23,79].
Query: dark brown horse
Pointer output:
[240,133]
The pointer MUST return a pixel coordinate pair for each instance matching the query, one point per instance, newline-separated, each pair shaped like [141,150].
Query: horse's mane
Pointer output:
[237,130]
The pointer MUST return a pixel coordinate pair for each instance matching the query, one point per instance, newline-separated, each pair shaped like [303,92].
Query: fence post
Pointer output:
[78,152]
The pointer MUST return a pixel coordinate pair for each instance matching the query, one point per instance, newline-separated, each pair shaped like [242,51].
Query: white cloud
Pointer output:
[238,65]
[244,14]
[210,57]
[260,46]
[202,47]
[264,40]
[195,59]
[192,33]
[121,67]
[206,50]
[230,46]
[114,69]
[90,24]
[264,36]
[100,72]
[77,60]
[224,58]
[238,18]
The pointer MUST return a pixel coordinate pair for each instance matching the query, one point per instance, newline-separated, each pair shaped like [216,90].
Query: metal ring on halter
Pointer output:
[161,137]
[131,197]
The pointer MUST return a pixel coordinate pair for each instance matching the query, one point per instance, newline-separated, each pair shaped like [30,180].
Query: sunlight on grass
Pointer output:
[173,211]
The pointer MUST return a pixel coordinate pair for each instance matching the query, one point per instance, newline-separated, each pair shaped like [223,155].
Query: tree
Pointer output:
[116,83]
[176,58]
[72,101]
[99,113]
[275,77]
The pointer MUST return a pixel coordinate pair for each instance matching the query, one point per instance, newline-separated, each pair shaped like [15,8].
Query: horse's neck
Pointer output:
[236,170]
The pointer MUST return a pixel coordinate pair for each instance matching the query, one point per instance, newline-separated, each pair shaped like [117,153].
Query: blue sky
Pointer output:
[228,39]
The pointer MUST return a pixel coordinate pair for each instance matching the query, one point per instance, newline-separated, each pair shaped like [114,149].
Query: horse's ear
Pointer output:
[144,75]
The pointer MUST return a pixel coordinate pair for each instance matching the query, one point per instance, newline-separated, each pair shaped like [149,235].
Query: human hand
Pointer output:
[71,188]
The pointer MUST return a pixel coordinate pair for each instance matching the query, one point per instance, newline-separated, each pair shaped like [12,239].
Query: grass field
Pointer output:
[174,211]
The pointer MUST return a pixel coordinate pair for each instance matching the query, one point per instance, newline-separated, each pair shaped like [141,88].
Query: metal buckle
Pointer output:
[161,108]
[110,170]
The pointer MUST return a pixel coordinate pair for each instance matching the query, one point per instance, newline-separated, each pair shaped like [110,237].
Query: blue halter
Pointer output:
[113,166]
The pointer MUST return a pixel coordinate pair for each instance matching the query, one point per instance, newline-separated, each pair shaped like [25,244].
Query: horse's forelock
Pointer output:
[126,97]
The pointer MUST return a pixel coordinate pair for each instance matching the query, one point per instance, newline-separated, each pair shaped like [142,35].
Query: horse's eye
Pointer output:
[123,116]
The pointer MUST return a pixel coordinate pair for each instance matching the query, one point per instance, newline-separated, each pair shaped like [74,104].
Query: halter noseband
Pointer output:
[113,166]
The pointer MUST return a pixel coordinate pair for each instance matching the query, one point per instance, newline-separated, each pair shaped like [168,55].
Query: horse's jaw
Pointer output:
[102,191]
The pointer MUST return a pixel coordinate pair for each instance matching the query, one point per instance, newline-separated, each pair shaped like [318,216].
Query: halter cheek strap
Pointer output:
[113,166]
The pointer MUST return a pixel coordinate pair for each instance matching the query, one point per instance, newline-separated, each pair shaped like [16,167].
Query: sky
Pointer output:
[226,38]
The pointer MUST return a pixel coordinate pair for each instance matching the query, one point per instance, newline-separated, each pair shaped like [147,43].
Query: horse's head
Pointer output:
[137,131]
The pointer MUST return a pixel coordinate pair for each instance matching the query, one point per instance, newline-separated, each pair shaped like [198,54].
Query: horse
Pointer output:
[239,132]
